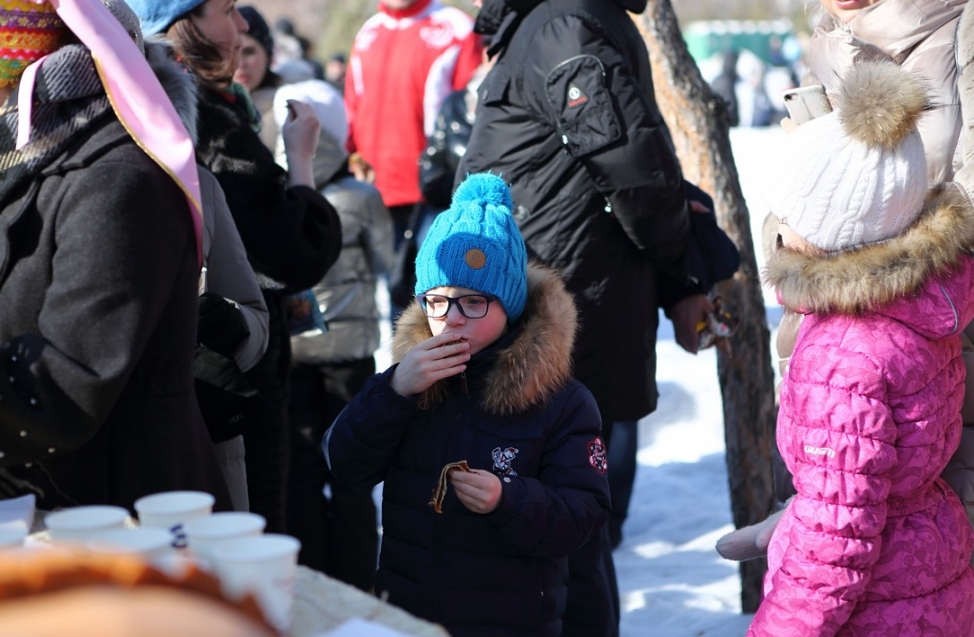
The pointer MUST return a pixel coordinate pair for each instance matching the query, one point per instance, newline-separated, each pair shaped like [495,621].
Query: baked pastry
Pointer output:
[440,491]
[58,582]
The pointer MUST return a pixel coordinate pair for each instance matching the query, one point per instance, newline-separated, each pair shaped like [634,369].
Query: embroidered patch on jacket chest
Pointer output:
[503,459]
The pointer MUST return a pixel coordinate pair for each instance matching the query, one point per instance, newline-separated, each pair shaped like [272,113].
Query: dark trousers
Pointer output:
[402,217]
[622,474]
[266,439]
[338,533]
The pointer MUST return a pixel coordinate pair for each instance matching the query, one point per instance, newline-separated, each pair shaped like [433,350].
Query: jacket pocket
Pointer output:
[578,94]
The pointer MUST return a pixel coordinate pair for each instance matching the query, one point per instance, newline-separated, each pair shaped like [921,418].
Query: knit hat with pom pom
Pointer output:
[476,244]
[859,174]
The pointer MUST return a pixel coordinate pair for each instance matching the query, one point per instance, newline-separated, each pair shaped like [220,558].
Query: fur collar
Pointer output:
[533,367]
[871,276]
[176,81]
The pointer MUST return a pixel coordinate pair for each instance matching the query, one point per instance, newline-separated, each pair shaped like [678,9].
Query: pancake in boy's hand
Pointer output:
[440,491]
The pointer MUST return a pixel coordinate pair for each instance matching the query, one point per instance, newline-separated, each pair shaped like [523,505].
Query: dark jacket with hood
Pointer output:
[292,236]
[98,296]
[229,273]
[516,412]
[567,116]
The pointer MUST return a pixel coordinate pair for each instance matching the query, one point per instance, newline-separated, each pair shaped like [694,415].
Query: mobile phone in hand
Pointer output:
[806,103]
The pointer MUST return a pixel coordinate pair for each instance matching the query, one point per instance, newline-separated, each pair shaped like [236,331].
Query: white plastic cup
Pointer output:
[12,537]
[78,524]
[171,510]
[204,534]
[146,543]
[264,566]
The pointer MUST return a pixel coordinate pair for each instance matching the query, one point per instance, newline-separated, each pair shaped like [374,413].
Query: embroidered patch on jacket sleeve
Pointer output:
[579,97]
[597,456]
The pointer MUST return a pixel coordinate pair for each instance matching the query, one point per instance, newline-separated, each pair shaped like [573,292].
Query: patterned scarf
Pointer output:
[68,98]
[28,32]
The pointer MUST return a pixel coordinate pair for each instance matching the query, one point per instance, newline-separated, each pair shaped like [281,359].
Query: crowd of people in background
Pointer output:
[212,274]
[752,83]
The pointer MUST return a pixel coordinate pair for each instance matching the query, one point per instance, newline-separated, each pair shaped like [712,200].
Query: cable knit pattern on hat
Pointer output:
[476,244]
[859,174]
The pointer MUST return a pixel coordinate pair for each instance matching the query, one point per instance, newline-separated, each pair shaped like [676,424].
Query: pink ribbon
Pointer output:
[139,101]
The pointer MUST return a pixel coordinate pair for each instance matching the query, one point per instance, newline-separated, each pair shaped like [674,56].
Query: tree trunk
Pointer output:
[698,121]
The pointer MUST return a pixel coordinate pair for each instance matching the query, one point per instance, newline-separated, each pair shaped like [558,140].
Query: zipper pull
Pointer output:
[463,383]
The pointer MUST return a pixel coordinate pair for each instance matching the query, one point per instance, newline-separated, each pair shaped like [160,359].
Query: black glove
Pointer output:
[711,255]
[221,325]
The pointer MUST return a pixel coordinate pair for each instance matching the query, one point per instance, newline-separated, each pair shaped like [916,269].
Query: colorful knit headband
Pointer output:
[28,32]
[134,91]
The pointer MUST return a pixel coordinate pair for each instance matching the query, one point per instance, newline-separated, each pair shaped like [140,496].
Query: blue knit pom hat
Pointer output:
[476,244]
[158,15]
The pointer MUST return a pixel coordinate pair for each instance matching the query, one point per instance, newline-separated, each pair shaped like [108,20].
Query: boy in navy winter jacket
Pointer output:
[483,375]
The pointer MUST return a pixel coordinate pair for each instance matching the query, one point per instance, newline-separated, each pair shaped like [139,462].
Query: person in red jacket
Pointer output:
[406,59]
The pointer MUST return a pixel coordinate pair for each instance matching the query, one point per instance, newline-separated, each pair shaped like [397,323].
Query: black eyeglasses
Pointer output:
[472,306]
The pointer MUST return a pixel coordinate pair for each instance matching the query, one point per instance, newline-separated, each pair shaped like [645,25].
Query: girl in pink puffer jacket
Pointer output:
[874,543]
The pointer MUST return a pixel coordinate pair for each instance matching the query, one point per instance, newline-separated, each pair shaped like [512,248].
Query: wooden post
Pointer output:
[698,121]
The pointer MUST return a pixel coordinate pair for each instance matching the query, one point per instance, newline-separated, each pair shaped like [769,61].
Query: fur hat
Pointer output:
[857,175]
[28,32]
[158,15]
[257,29]
[476,244]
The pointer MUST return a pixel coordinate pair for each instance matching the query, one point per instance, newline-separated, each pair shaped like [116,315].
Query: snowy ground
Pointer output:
[671,580]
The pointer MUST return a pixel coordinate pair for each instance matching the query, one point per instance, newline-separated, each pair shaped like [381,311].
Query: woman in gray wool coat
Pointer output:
[99,275]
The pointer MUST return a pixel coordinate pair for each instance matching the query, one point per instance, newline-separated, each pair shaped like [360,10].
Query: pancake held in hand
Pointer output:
[440,491]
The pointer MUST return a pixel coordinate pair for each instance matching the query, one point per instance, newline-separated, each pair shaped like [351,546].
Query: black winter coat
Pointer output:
[521,416]
[292,236]
[568,117]
[98,298]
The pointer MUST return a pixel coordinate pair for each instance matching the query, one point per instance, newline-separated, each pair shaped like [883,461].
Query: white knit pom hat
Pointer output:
[859,174]
[323,97]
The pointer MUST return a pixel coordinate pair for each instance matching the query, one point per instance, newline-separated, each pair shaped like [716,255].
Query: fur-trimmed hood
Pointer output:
[873,276]
[536,363]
